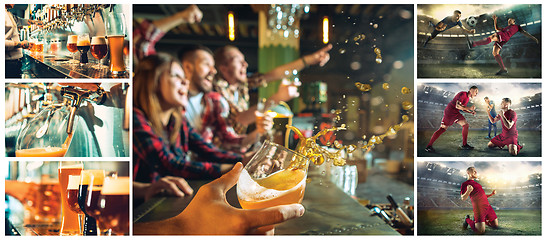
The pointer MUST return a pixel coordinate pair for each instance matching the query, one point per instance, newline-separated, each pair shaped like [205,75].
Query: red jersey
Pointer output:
[460,97]
[511,117]
[507,32]
[478,197]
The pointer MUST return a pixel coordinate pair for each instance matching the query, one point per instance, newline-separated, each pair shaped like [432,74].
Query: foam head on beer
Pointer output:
[73,182]
[72,38]
[91,176]
[83,42]
[98,40]
[116,186]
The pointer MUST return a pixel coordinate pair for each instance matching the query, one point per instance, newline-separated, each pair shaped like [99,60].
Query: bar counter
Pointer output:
[53,66]
[329,211]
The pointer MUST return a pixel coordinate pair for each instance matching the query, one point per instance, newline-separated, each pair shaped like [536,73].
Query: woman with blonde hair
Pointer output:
[162,138]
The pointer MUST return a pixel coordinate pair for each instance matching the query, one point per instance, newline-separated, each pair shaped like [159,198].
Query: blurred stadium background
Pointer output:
[433,98]
[517,202]
[521,55]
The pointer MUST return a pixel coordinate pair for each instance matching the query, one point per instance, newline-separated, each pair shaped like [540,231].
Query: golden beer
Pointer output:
[114,204]
[116,45]
[69,219]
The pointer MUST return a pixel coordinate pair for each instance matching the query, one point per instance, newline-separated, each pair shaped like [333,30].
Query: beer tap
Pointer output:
[76,96]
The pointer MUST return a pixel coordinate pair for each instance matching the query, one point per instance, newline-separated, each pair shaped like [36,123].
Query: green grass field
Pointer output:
[449,222]
[448,143]
[474,71]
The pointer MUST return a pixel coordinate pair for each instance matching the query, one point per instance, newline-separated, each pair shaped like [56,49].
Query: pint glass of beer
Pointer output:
[88,179]
[99,49]
[72,199]
[275,176]
[69,219]
[71,45]
[83,46]
[116,31]
[114,204]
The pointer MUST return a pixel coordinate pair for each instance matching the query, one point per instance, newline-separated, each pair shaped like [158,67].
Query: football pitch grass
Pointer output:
[447,145]
[474,71]
[449,222]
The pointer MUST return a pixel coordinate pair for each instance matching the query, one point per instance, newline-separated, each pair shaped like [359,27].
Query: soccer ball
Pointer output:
[471,21]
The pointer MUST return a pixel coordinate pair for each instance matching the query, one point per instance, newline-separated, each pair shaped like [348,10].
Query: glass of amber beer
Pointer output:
[72,198]
[99,49]
[71,45]
[116,30]
[83,46]
[275,176]
[69,219]
[114,204]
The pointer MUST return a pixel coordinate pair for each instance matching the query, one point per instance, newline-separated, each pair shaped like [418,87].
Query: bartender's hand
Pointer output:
[287,90]
[209,212]
[321,57]
[170,185]
[22,44]
[192,14]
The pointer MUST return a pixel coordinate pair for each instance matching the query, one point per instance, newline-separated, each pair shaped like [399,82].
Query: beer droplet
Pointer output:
[385,86]
[377,51]
[363,86]
[405,90]
[407,105]
[405,118]
[342,51]
[378,59]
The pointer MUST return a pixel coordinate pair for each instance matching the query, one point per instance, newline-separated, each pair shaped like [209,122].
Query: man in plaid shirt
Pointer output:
[207,110]
[155,157]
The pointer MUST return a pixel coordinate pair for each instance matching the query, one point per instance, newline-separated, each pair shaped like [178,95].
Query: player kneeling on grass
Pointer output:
[483,212]
[509,133]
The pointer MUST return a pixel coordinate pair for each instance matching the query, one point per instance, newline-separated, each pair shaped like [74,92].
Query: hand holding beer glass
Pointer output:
[274,176]
[83,46]
[69,219]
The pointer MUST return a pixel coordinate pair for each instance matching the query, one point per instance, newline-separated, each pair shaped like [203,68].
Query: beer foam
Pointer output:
[89,176]
[116,186]
[83,42]
[73,182]
[72,38]
[249,190]
[74,166]
[98,40]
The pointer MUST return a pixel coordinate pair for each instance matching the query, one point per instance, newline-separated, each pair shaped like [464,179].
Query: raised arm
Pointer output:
[528,35]
[320,57]
[496,23]
[491,194]
[467,30]
[467,193]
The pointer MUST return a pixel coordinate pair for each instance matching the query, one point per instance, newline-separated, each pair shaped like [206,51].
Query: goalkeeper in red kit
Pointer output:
[483,212]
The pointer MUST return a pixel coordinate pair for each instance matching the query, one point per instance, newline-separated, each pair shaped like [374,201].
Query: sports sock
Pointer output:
[465,130]
[427,41]
[471,224]
[482,42]
[435,136]
[500,61]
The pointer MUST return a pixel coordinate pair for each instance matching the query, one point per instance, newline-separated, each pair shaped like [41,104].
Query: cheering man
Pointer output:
[482,210]
[452,115]
[509,134]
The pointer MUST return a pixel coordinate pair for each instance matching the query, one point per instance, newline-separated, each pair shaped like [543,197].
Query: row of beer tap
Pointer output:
[63,16]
